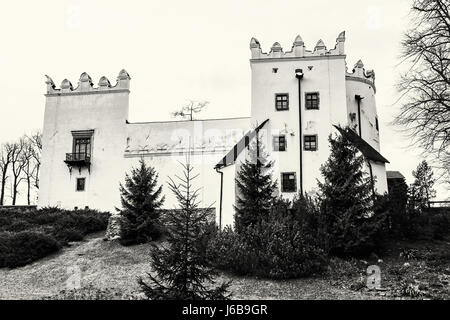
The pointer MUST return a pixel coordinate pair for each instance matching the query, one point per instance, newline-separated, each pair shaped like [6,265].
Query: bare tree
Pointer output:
[6,151]
[35,140]
[29,168]
[190,109]
[18,164]
[425,94]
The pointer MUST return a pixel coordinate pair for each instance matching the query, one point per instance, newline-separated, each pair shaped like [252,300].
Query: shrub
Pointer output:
[230,252]
[92,293]
[68,235]
[428,224]
[275,248]
[440,223]
[18,249]
[30,235]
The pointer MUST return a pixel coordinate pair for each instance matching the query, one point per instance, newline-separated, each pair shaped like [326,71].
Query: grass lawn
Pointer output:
[111,269]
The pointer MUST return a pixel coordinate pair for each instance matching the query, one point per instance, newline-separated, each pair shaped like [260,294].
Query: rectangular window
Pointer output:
[279,143]
[81,182]
[310,143]
[288,182]
[82,148]
[376,124]
[312,100]
[282,101]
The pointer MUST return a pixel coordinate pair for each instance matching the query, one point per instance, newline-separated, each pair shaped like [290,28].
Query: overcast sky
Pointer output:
[179,50]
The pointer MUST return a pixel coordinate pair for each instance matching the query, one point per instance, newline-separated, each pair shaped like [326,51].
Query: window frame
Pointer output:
[84,184]
[276,101]
[310,100]
[316,142]
[283,190]
[276,142]
[88,146]
[83,135]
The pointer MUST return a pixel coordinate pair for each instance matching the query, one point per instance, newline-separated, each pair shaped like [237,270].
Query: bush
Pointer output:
[428,224]
[30,235]
[92,293]
[440,223]
[275,248]
[19,249]
[68,235]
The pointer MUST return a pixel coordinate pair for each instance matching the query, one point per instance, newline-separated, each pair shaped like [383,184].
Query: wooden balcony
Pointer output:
[79,160]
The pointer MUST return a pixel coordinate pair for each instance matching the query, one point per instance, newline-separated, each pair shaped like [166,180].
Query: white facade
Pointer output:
[99,115]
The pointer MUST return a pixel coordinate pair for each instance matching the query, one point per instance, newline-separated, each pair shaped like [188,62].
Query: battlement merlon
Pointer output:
[86,86]
[298,49]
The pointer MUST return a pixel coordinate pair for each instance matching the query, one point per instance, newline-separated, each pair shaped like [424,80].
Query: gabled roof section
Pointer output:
[231,156]
[366,149]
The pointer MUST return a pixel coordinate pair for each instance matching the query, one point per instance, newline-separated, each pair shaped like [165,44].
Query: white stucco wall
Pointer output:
[326,76]
[165,144]
[379,173]
[368,108]
[229,195]
[84,108]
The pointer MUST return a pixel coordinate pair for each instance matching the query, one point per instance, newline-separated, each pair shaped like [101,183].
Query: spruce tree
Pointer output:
[256,190]
[421,190]
[141,200]
[346,200]
[182,267]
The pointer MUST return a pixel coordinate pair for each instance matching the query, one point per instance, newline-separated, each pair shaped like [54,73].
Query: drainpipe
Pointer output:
[371,179]
[221,196]
[299,76]
[358,99]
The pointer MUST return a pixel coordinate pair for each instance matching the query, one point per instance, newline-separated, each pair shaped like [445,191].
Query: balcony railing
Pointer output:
[78,158]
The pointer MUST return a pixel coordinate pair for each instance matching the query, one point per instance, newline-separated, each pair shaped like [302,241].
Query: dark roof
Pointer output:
[394,175]
[232,155]
[366,149]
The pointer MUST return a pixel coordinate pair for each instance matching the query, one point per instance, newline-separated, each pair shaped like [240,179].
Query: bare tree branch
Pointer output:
[190,109]
[424,88]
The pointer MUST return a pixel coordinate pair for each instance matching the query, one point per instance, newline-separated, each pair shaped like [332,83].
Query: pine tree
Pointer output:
[183,268]
[256,188]
[141,200]
[421,190]
[346,200]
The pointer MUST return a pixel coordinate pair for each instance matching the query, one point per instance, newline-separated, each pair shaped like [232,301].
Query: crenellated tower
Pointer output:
[305,94]
[84,136]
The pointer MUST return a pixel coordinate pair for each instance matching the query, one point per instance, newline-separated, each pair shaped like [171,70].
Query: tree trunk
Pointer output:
[14,192]
[2,190]
[28,190]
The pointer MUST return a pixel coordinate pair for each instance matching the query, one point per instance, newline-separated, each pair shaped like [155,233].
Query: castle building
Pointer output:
[299,97]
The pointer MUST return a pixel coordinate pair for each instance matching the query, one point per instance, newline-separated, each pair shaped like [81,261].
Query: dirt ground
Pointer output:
[109,266]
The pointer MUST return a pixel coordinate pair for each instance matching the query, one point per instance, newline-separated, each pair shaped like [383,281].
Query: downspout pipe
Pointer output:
[371,179]
[299,76]
[358,99]
[221,197]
